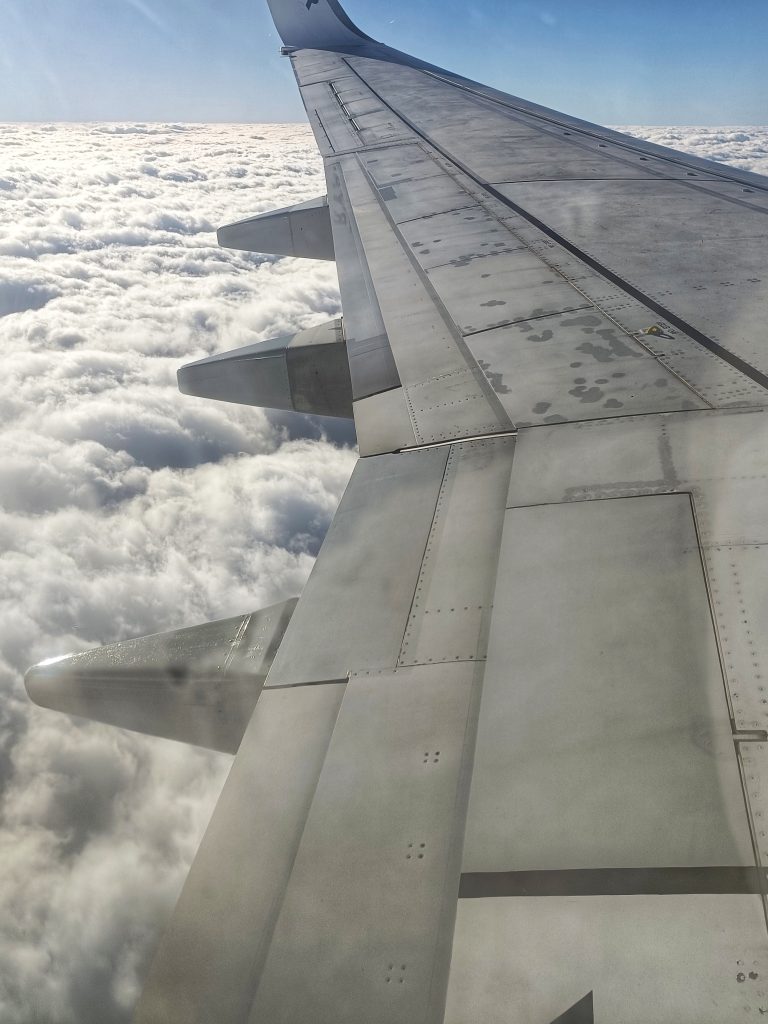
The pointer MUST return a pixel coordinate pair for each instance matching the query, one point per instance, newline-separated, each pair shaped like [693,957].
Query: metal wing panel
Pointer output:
[718,458]
[675,220]
[610,709]
[604,717]
[452,260]
[209,960]
[614,949]
[363,934]
[355,606]
[623,722]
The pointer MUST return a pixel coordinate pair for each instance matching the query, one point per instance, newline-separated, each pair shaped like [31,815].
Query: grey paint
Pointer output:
[306,372]
[402,165]
[371,364]
[300,230]
[463,233]
[437,194]
[514,287]
[453,598]
[718,383]
[606,722]
[719,459]
[649,960]
[198,685]
[576,366]
[354,608]
[714,248]
[440,362]
[209,961]
[372,895]
[383,423]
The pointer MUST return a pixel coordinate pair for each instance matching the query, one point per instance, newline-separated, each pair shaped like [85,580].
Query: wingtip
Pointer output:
[37,680]
[315,24]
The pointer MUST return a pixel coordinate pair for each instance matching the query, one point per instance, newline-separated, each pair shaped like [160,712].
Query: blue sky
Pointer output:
[610,61]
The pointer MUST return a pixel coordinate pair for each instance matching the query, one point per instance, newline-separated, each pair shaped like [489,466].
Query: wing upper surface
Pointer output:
[530,256]
[509,760]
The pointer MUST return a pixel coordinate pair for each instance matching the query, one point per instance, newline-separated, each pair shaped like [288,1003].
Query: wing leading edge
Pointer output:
[510,755]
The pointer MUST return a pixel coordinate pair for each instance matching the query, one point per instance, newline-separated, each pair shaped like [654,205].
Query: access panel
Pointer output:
[608,865]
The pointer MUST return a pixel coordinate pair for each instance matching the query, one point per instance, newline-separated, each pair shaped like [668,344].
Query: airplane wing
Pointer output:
[510,759]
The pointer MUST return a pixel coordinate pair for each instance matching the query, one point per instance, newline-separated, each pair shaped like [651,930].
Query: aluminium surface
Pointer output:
[300,230]
[306,372]
[452,600]
[208,962]
[576,366]
[732,318]
[449,288]
[617,713]
[718,458]
[383,423]
[710,274]
[363,581]
[682,733]
[381,844]
[674,958]
[196,685]
[371,365]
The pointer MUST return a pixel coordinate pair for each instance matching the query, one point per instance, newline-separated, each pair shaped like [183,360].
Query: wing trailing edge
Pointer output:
[197,685]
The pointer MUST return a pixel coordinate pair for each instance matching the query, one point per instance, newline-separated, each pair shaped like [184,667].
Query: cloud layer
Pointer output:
[745,147]
[126,508]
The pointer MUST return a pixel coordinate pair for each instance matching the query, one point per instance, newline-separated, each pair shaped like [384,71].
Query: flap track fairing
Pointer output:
[302,230]
[306,372]
[197,685]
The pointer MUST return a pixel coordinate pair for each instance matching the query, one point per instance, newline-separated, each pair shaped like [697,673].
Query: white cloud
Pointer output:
[127,508]
[745,147]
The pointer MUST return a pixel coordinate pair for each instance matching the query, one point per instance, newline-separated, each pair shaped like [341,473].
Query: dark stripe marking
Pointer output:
[610,882]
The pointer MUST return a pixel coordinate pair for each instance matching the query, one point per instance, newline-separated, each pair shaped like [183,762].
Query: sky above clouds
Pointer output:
[658,62]
[127,508]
